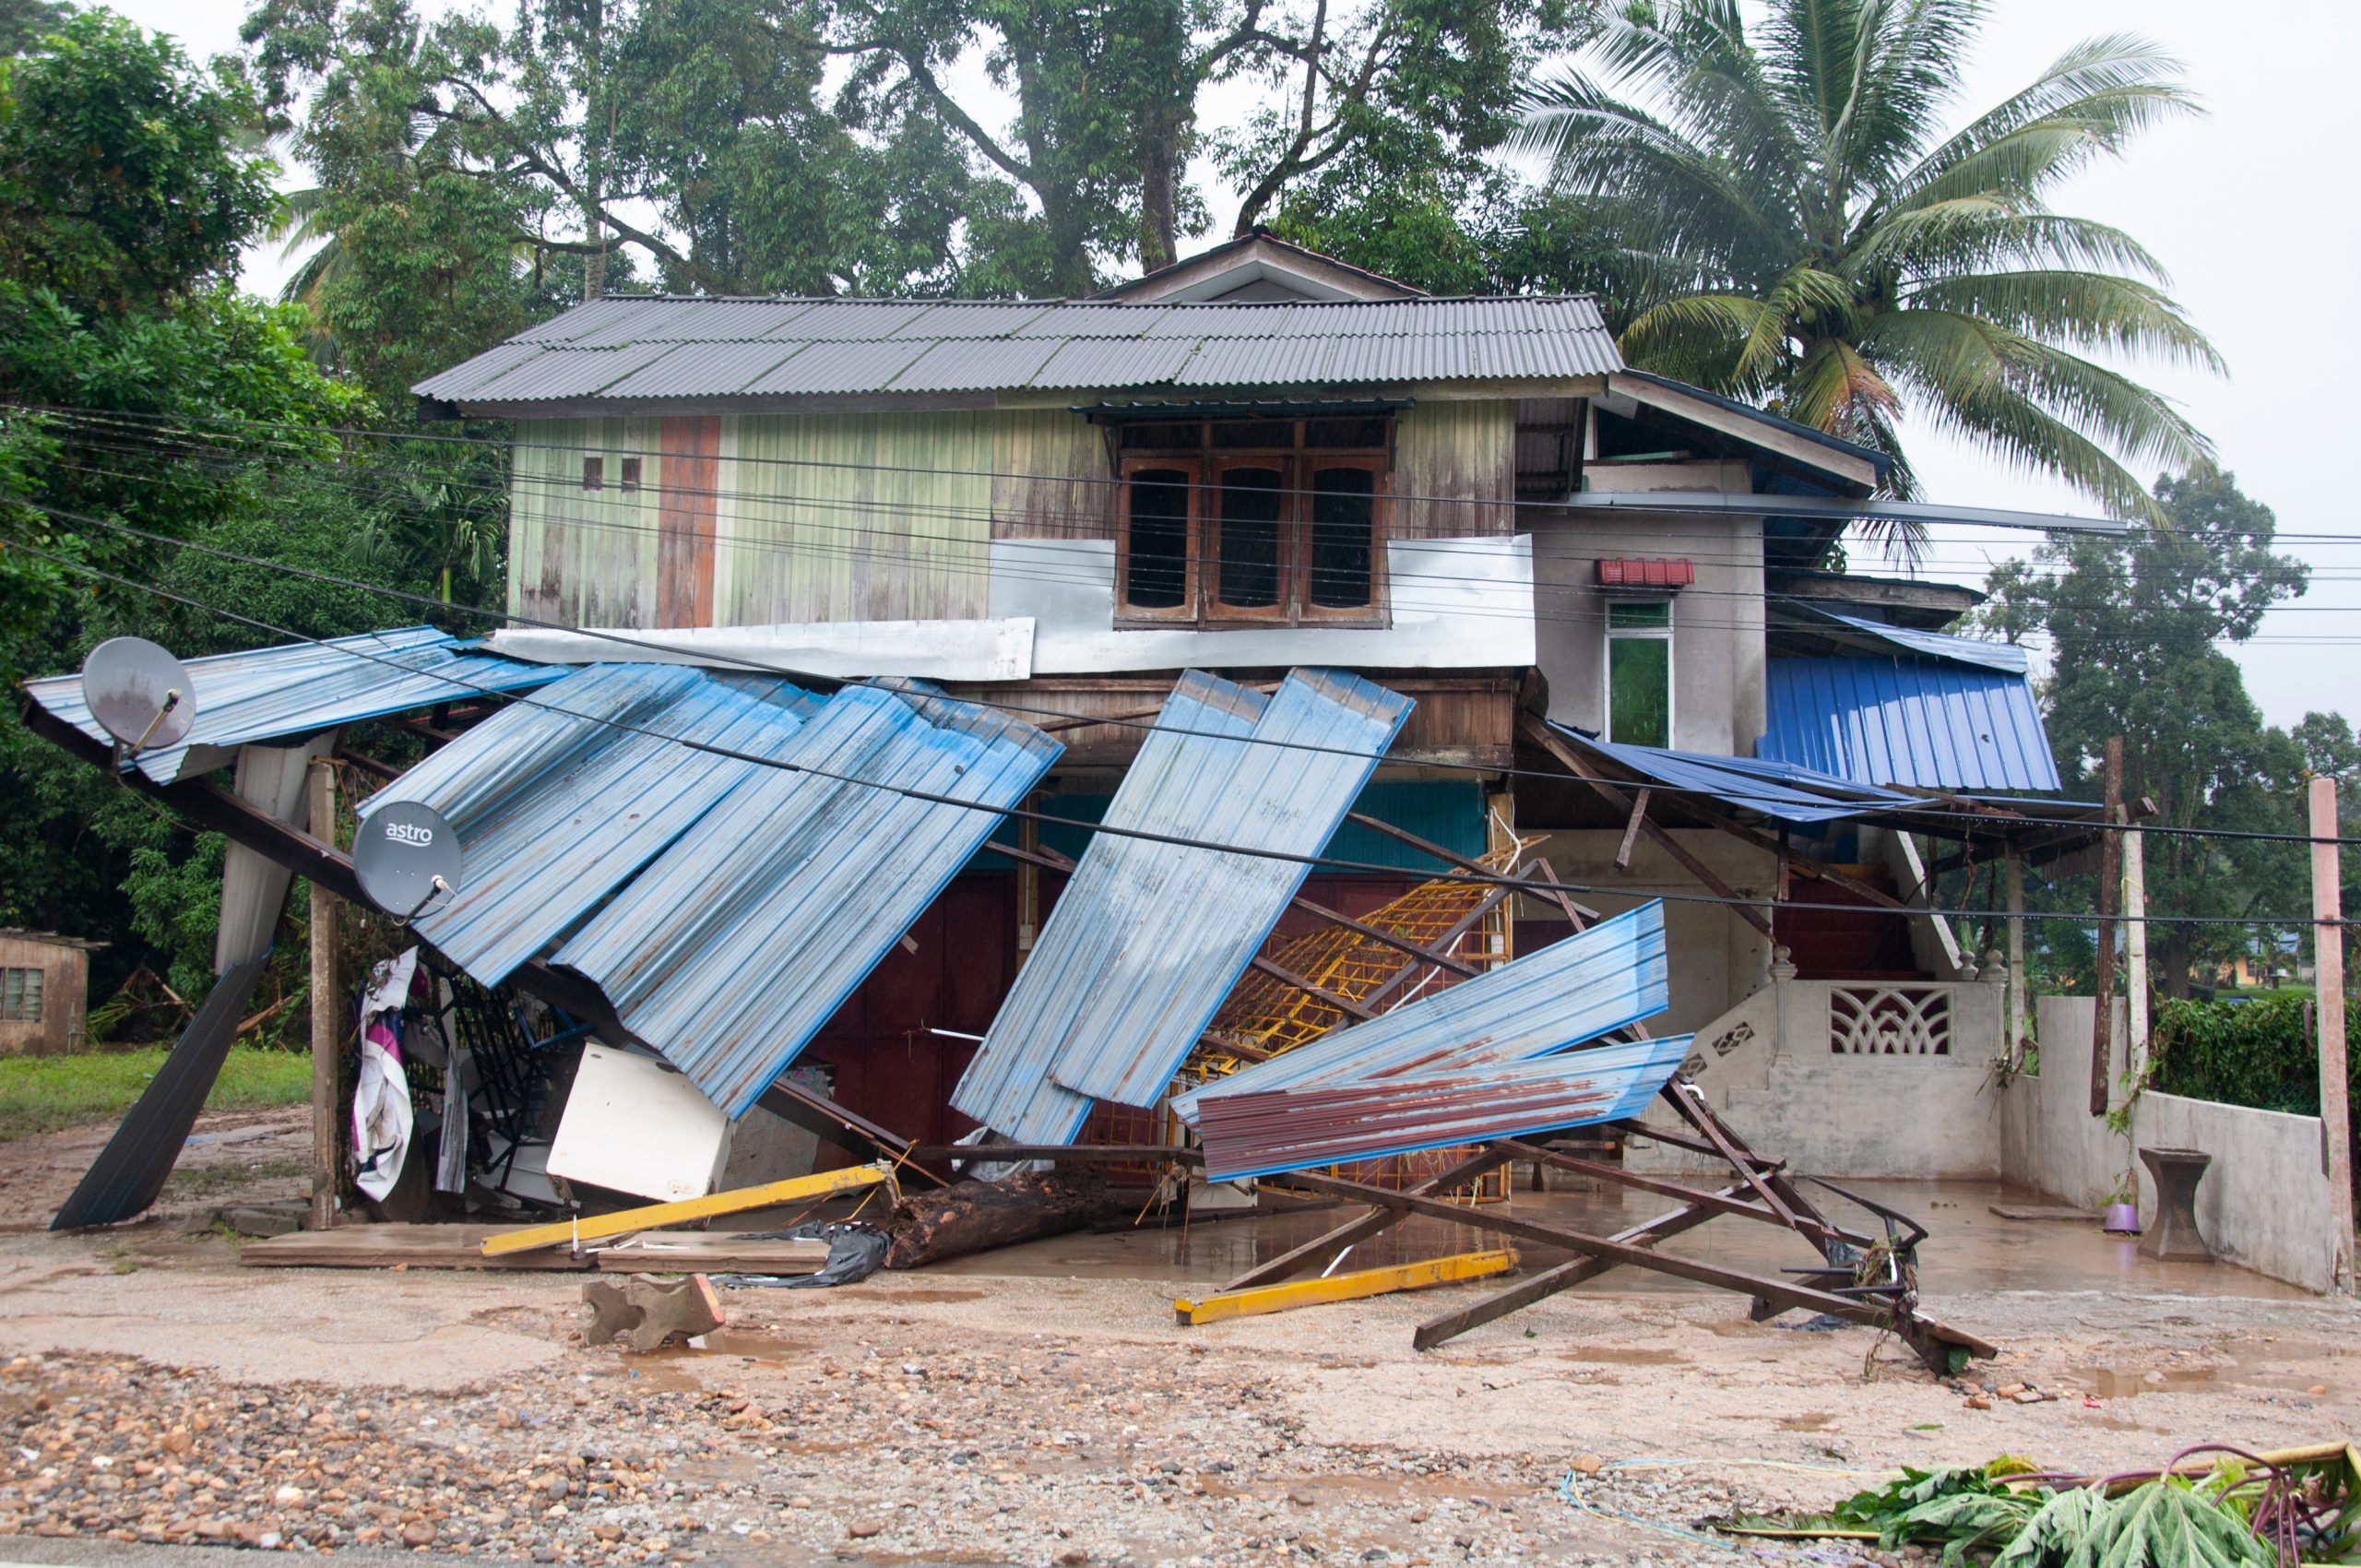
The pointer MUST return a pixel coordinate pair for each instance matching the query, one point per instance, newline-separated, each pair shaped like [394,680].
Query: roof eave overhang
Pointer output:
[1839,509]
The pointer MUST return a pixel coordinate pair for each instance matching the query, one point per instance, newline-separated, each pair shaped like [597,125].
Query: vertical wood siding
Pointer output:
[1454,449]
[584,558]
[691,471]
[854,516]
[1050,477]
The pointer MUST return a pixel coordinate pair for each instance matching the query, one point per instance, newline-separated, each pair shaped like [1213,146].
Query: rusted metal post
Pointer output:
[2328,968]
[327,1020]
[2110,891]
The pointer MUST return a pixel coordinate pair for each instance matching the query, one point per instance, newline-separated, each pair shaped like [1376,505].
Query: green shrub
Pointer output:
[2256,1054]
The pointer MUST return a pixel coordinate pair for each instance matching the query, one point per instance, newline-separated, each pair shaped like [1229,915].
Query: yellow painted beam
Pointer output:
[600,1226]
[1343,1287]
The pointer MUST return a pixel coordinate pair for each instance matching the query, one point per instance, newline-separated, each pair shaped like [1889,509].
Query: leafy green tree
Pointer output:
[2137,626]
[1805,235]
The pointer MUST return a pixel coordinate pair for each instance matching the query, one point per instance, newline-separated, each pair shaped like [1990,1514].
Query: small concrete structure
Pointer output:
[2172,1235]
[44,992]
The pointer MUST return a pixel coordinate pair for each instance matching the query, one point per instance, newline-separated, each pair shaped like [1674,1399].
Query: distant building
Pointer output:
[44,992]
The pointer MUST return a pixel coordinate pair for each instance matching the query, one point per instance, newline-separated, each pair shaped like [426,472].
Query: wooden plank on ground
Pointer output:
[1353,1287]
[393,1246]
[598,1227]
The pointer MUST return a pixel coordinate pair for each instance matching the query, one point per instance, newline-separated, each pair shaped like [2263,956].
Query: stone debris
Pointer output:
[1028,1454]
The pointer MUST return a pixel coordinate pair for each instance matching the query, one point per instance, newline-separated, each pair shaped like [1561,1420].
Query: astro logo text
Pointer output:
[410,833]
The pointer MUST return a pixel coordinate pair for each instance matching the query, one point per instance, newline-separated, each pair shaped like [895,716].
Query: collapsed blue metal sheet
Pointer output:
[1935,725]
[301,688]
[1147,937]
[558,801]
[1775,789]
[738,943]
[1577,989]
[1256,1135]
[1884,636]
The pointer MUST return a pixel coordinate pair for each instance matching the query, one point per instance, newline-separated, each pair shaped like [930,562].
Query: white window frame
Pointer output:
[1639,633]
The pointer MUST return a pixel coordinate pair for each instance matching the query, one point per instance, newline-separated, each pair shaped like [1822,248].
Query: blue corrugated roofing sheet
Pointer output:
[1577,989]
[1260,1134]
[1148,938]
[1941,726]
[557,802]
[1776,789]
[301,688]
[1981,651]
[738,943]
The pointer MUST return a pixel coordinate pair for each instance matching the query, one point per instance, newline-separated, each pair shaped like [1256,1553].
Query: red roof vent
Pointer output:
[1659,573]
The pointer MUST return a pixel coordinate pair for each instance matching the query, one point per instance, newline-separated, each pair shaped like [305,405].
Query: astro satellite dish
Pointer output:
[406,857]
[139,692]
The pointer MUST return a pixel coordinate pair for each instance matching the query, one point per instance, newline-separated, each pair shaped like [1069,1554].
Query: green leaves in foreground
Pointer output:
[2247,1512]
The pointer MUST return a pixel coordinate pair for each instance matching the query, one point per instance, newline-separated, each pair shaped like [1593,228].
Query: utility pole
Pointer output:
[327,1012]
[2135,952]
[2110,888]
[2328,968]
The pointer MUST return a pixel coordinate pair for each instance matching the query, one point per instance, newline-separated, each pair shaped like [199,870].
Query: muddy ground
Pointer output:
[153,1390]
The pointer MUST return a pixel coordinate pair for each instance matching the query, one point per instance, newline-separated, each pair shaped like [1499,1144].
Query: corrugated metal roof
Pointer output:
[1941,726]
[974,364]
[838,365]
[279,693]
[1257,1134]
[1586,985]
[1773,787]
[1258,361]
[740,940]
[559,801]
[705,370]
[1983,652]
[865,346]
[1147,938]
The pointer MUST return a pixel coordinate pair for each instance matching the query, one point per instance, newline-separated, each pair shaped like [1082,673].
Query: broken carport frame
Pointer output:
[213,809]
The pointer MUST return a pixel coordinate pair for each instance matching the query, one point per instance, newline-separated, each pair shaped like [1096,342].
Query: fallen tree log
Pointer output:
[972,1217]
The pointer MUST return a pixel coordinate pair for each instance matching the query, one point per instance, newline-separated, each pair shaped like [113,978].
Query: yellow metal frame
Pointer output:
[1350,1287]
[600,1226]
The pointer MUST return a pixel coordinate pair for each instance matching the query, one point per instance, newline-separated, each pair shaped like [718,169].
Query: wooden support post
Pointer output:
[2019,1000]
[2135,956]
[2327,971]
[328,1010]
[1632,830]
[1543,736]
[1356,1286]
[596,1227]
[2110,887]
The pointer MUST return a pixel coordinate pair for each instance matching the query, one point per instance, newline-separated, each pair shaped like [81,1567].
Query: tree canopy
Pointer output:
[1799,229]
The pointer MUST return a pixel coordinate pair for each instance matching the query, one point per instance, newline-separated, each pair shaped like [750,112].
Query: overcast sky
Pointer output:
[2252,210]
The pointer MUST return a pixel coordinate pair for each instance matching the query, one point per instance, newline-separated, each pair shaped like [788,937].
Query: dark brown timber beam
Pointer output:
[1543,736]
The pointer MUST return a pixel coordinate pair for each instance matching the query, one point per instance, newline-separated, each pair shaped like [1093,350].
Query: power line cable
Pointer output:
[751,666]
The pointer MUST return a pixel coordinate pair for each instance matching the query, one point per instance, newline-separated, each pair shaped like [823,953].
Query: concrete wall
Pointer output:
[2264,1201]
[1717,650]
[1770,1068]
[1716,959]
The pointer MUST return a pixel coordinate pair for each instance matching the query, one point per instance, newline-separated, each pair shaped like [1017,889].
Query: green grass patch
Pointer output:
[39,1094]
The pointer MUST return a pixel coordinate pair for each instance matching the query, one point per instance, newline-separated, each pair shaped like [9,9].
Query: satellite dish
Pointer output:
[139,692]
[406,857]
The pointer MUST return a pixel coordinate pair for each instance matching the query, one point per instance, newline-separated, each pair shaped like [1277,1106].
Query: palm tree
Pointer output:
[1799,232]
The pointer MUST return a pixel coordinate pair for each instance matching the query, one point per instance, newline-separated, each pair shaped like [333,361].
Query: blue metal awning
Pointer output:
[274,693]
[1147,937]
[1773,787]
[1577,989]
[559,801]
[1936,726]
[732,949]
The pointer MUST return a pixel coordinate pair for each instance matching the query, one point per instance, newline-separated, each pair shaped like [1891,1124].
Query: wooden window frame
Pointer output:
[23,991]
[1186,613]
[1296,465]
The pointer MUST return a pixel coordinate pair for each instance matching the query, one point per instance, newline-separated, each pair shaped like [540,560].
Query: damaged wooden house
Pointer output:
[1035,716]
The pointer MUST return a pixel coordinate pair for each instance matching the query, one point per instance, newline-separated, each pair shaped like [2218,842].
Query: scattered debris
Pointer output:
[648,1312]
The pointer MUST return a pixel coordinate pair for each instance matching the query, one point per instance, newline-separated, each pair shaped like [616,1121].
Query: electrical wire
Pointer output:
[625,639]
[1473,878]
